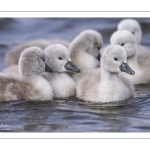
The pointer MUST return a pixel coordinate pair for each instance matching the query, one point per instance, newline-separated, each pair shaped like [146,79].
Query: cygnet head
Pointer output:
[114,60]
[133,26]
[125,39]
[58,58]
[32,62]
[89,41]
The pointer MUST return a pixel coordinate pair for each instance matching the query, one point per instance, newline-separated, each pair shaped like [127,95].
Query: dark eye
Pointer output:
[122,44]
[60,58]
[42,58]
[99,47]
[116,59]
[95,45]
[133,33]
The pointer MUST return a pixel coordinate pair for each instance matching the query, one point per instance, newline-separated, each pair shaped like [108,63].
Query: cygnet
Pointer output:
[58,58]
[84,49]
[31,86]
[105,84]
[138,62]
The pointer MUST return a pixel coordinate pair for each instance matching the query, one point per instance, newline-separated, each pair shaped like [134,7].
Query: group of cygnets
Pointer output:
[42,70]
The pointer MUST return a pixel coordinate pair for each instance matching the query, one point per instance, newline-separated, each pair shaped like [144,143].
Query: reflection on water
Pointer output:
[71,114]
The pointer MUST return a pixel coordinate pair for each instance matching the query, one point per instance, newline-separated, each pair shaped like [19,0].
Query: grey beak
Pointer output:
[47,68]
[72,67]
[99,56]
[124,67]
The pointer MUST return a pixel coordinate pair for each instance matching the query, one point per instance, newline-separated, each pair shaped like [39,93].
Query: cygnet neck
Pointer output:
[51,75]
[84,60]
[132,61]
[28,76]
[108,76]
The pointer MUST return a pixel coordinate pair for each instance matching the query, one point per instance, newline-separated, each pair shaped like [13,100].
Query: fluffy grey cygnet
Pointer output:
[106,84]
[84,49]
[138,61]
[58,58]
[31,85]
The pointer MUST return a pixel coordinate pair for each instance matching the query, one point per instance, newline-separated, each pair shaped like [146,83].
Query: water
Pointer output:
[71,114]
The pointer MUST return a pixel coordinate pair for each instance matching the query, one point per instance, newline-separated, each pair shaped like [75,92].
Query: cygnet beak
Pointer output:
[124,67]
[72,67]
[99,56]
[48,69]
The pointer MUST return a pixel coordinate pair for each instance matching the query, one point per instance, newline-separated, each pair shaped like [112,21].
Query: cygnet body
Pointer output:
[105,84]
[84,49]
[12,71]
[139,62]
[12,56]
[31,86]
[58,58]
